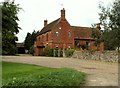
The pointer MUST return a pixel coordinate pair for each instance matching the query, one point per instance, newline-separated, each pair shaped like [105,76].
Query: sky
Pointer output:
[78,13]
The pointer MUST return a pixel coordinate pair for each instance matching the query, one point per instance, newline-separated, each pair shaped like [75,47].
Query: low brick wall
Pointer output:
[109,56]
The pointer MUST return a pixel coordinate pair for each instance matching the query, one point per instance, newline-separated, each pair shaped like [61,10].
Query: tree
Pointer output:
[108,40]
[110,18]
[29,40]
[97,35]
[9,27]
[34,33]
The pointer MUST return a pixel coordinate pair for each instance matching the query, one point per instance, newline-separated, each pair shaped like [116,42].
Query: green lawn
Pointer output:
[31,75]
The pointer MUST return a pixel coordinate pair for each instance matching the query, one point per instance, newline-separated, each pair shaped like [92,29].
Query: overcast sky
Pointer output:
[78,13]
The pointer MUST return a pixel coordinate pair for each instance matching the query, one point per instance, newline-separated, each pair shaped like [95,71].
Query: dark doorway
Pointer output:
[21,50]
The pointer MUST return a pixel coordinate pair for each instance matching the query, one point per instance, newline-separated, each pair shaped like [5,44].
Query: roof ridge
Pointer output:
[56,22]
[49,26]
[80,27]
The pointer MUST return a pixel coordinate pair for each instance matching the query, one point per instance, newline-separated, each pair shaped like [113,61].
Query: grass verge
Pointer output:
[17,74]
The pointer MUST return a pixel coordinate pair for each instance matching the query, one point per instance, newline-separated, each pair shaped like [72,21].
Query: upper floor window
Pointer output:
[47,37]
[39,38]
[69,34]
[42,38]
[56,33]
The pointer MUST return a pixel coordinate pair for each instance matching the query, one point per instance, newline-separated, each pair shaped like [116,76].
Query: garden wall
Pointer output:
[109,56]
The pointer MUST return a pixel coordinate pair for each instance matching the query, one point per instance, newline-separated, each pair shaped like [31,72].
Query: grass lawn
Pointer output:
[18,74]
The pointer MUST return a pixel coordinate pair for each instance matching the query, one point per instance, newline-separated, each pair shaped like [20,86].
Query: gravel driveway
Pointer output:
[99,73]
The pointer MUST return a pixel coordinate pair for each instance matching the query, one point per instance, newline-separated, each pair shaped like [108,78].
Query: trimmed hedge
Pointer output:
[48,52]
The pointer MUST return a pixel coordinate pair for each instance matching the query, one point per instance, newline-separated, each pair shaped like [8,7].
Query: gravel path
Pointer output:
[99,73]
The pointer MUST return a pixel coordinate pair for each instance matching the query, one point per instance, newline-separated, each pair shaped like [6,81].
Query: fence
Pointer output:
[59,53]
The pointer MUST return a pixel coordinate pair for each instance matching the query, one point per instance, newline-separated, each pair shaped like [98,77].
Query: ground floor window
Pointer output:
[87,43]
[57,34]
[56,46]
[69,47]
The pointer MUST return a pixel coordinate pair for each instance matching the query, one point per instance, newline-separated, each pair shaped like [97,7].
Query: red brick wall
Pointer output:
[101,46]
[63,40]
[92,46]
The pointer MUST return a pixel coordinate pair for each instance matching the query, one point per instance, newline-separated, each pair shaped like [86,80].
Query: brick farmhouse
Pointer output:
[60,34]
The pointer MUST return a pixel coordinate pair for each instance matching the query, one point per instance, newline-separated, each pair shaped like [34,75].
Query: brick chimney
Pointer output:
[63,14]
[98,26]
[45,23]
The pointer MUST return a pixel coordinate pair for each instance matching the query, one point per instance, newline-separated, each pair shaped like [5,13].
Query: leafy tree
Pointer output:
[31,50]
[33,36]
[109,40]
[97,35]
[9,27]
[110,18]
[29,40]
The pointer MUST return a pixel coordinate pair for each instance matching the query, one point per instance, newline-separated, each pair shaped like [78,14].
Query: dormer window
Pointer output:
[69,34]
[57,34]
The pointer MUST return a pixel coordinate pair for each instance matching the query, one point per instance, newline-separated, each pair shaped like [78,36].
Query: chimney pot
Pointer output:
[45,23]
[98,26]
[63,14]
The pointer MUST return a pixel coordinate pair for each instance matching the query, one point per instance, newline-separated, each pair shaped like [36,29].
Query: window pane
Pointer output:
[69,34]
[56,33]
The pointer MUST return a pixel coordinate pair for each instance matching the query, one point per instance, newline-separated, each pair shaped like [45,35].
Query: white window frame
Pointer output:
[57,34]
[69,34]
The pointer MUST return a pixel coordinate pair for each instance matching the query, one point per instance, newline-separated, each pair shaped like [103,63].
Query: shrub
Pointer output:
[69,52]
[10,51]
[48,52]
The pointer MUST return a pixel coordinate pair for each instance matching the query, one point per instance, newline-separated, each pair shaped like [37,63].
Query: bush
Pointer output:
[9,51]
[69,52]
[48,52]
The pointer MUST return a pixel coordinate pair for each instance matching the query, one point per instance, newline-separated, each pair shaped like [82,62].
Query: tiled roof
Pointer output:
[79,32]
[49,27]
[82,32]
